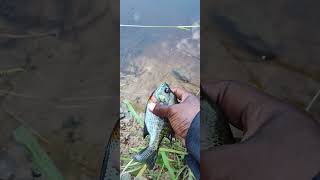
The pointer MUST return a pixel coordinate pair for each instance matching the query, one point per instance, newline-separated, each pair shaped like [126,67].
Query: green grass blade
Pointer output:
[134,169]
[126,166]
[133,112]
[125,158]
[172,151]
[131,165]
[180,171]
[191,176]
[136,149]
[11,71]
[159,175]
[142,170]
[39,156]
[185,174]
[167,164]
[178,160]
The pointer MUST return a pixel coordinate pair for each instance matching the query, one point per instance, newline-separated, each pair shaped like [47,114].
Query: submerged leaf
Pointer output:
[39,156]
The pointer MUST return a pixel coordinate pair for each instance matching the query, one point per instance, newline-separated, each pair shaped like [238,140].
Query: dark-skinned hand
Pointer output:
[180,115]
[280,142]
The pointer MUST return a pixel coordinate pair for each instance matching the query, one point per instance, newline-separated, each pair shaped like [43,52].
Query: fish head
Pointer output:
[164,95]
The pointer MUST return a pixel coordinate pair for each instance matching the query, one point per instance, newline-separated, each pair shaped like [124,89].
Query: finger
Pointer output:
[153,99]
[180,93]
[159,110]
[244,106]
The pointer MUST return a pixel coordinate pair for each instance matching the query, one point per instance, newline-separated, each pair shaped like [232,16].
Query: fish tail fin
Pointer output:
[147,156]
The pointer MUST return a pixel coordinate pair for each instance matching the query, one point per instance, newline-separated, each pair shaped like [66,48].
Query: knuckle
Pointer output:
[171,110]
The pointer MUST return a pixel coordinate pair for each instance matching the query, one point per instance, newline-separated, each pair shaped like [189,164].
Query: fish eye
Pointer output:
[166,90]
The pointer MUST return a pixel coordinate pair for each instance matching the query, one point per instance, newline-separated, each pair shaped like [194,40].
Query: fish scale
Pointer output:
[154,128]
[215,129]
[110,170]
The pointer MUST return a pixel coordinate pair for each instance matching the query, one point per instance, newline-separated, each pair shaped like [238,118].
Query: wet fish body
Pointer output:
[215,129]
[157,128]
[252,44]
[179,74]
[110,169]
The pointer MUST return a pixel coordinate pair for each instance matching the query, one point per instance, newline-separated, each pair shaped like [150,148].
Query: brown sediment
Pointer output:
[294,68]
[80,24]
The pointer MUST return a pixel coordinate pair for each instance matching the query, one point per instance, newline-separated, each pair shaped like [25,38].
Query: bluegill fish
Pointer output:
[110,169]
[232,36]
[157,128]
[215,129]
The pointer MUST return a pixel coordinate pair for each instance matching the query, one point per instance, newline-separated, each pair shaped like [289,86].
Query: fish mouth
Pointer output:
[165,84]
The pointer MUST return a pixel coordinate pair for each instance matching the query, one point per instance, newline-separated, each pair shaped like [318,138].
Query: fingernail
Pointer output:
[151,106]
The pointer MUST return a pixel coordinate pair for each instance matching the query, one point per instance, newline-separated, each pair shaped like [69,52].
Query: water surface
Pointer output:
[135,41]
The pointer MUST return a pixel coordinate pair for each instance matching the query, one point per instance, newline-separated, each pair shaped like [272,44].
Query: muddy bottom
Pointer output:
[56,85]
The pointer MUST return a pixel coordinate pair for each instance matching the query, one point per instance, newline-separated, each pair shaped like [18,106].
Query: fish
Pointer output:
[215,129]
[157,128]
[181,75]
[110,169]
[254,45]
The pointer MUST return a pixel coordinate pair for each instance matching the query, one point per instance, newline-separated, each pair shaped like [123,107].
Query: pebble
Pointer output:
[125,120]
[122,115]
[35,173]
[140,178]
[126,176]
[127,137]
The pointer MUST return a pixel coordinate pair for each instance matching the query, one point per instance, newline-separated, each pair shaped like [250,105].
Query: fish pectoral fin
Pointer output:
[170,136]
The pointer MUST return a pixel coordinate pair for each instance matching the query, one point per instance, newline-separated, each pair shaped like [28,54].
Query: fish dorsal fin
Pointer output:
[170,135]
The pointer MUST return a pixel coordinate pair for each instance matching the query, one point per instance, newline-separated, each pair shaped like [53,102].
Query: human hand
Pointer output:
[180,115]
[279,142]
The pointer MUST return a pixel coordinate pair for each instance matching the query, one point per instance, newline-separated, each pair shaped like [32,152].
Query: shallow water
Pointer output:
[150,56]
[134,42]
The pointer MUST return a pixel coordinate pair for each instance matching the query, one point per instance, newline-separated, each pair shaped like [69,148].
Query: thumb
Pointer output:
[159,109]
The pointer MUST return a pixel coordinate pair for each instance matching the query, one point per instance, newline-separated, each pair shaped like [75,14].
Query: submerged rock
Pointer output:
[126,176]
